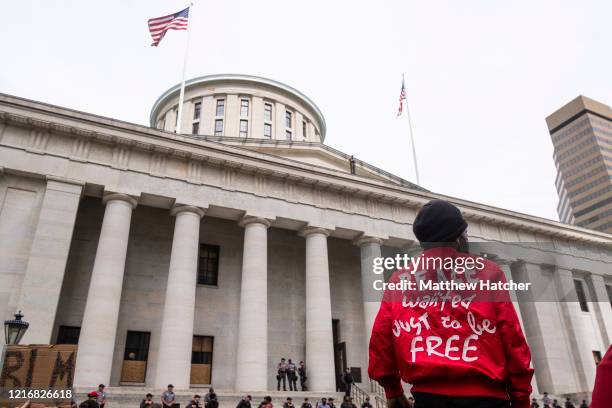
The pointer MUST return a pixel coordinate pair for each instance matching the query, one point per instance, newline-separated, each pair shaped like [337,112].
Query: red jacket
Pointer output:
[472,347]
[602,392]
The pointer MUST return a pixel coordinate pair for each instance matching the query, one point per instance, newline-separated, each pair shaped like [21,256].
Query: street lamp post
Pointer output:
[14,329]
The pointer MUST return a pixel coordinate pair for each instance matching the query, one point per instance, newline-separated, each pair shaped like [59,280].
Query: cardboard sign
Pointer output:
[30,372]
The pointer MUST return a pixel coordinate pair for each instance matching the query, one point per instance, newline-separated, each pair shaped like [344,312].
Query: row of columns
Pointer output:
[556,299]
[98,330]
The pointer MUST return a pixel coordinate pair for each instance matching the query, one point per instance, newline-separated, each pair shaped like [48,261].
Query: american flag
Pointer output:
[158,26]
[402,98]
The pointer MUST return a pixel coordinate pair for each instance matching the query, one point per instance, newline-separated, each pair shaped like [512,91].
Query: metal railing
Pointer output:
[358,395]
[376,395]
[379,394]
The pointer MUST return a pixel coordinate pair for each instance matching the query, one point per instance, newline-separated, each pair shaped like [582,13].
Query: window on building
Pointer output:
[219,127]
[581,295]
[162,125]
[609,290]
[137,346]
[288,119]
[197,110]
[244,128]
[201,352]
[267,130]
[268,112]
[304,129]
[195,128]
[135,357]
[68,335]
[244,107]
[208,265]
[288,134]
[220,111]
[201,360]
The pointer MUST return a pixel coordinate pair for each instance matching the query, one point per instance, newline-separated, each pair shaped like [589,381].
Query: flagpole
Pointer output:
[182,93]
[414,156]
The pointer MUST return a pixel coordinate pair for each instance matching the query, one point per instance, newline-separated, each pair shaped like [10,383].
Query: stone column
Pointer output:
[602,306]
[299,127]
[99,327]
[505,267]
[176,339]
[278,129]
[585,365]
[310,133]
[187,117]
[539,310]
[370,248]
[252,351]
[257,117]
[319,336]
[232,115]
[207,117]
[44,274]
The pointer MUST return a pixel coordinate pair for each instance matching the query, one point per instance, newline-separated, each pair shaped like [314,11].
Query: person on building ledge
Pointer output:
[466,354]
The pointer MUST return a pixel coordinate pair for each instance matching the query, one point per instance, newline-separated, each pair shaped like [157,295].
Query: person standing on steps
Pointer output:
[281,374]
[303,378]
[348,380]
[292,375]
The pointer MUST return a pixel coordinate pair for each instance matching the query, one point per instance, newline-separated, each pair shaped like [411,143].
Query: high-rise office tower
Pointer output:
[581,133]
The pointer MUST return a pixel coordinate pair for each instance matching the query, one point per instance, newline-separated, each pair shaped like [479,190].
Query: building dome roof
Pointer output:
[205,80]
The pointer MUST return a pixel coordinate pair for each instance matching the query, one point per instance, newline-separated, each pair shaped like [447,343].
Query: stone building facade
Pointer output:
[199,259]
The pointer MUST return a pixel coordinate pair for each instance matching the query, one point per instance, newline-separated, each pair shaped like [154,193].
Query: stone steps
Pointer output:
[130,397]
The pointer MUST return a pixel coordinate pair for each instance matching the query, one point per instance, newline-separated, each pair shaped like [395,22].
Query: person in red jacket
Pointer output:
[602,392]
[458,346]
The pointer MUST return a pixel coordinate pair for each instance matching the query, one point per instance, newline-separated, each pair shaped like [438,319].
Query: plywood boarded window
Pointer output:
[135,357]
[201,360]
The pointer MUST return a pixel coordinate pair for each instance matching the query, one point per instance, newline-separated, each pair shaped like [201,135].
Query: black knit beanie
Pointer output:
[438,221]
